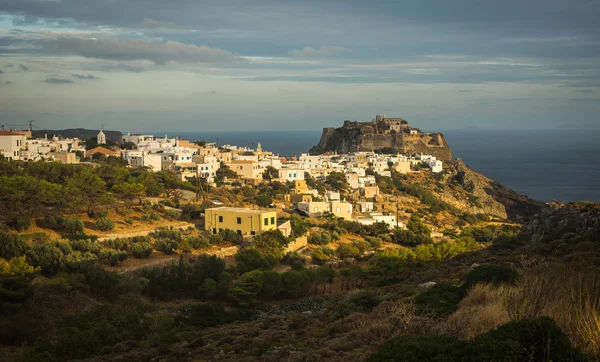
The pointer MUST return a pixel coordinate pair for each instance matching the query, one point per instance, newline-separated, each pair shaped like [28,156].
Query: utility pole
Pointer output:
[30,125]
[397,214]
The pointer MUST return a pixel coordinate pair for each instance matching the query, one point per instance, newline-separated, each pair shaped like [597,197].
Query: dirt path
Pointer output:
[145,230]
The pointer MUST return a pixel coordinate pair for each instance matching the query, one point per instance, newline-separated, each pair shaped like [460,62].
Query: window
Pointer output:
[220,218]
[239,220]
[252,232]
[266,221]
[272,221]
[239,232]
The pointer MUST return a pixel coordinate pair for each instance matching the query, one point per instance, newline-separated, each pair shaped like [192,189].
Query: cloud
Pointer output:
[6,82]
[585,91]
[1,71]
[58,81]
[324,51]
[24,68]
[83,76]
[122,67]
[133,49]
[155,24]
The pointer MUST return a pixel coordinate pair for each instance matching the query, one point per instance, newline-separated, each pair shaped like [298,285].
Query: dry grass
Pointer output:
[481,310]
[387,320]
[569,294]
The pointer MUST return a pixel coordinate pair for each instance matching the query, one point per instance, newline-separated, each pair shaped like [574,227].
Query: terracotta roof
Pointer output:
[10,133]
[102,150]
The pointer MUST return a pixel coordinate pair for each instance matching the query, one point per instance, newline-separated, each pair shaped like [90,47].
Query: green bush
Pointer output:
[525,340]
[229,235]
[442,299]
[118,244]
[251,259]
[141,250]
[22,222]
[84,246]
[491,273]
[112,256]
[322,238]
[60,223]
[319,256]
[150,216]
[172,214]
[167,233]
[12,245]
[295,260]
[167,246]
[347,251]
[197,242]
[105,224]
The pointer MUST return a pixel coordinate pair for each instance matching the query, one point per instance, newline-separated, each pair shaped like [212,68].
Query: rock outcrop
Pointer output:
[371,136]
[557,220]
[484,195]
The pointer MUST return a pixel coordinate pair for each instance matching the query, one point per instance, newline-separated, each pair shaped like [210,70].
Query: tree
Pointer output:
[169,181]
[84,188]
[337,181]
[129,192]
[25,196]
[247,287]
[270,173]
[128,146]
[417,226]
[252,259]
[271,243]
[263,200]
[12,245]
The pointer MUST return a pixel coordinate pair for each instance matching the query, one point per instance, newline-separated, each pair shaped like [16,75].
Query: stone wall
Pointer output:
[297,244]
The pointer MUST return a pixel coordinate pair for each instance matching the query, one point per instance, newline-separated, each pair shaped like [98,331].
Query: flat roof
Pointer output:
[241,209]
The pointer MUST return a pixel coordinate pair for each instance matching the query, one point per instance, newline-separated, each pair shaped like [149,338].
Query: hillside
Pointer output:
[81,133]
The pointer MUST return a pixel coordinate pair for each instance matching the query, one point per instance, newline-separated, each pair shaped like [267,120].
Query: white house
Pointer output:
[291,174]
[11,143]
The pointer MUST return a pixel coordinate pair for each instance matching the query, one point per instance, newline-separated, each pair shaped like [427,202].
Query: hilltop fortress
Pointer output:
[382,133]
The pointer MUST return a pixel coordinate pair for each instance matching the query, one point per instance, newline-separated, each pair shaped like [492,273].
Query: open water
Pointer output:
[547,165]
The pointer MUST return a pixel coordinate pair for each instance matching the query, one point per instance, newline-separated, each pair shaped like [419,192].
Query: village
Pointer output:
[355,200]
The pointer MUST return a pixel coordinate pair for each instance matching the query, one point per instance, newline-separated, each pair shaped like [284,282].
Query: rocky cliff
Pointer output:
[477,194]
[559,221]
[368,136]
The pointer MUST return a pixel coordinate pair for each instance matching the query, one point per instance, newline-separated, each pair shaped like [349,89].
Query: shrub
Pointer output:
[167,246]
[251,259]
[229,235]
[118,244]
[150,216]
[323,238]
[172,214]
[491,273]
[321,256]
[105,224]
[73,225]
[141,250]
[526,340]
[347,251]
[295,260]
[84,246]
[112,256]
[442,299]
[66,224]
[167,233]
[197,242]
[22,222]
[12,245]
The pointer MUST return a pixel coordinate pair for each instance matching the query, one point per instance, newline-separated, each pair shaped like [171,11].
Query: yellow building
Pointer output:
[243,221]
[246,169]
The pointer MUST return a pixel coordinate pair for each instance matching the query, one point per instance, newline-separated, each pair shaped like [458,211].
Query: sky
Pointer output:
[193,65]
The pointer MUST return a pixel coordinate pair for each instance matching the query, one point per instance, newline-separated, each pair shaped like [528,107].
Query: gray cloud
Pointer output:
[1,71]
[585,91]
[58,81]
[155,24]
[324,51]
[83,76]
[24,68]
[133,49]
[122,67]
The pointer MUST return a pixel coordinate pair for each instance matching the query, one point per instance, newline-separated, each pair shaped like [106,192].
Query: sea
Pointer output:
[546,165]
